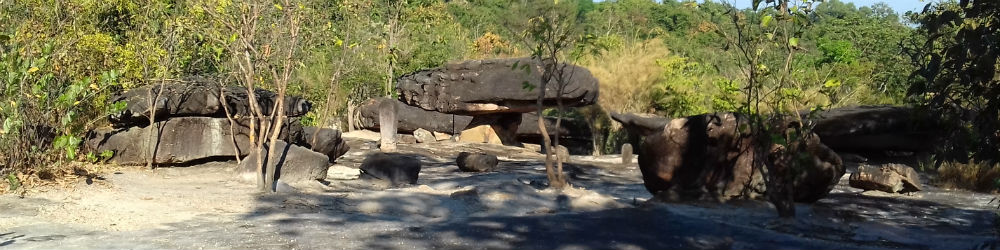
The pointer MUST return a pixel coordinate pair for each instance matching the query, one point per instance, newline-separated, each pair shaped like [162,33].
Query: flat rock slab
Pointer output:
[199,98]
[293,163]
[875,129]
[181,140]
[493,86]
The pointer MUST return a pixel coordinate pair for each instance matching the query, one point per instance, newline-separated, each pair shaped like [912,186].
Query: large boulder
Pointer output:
[180,140]
[713,156]
[292,164]
[493,86]
[198,98]
[890,178]
[874,129]
[391,168]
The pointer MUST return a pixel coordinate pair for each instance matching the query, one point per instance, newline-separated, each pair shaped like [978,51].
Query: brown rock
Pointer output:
[424,136]
[713,156]
[890,178]
[475,162]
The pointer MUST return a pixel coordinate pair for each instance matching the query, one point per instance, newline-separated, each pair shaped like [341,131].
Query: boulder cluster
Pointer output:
[201,121]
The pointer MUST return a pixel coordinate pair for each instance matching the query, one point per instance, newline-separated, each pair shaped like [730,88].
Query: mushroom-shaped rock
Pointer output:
[494,86]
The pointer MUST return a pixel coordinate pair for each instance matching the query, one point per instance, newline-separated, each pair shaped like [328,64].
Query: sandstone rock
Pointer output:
[494,129]
[199,98]
[424,136]
[709,157]
[890,178]
[411,118]
[627,153]
[180,140]
[641,124]
[293,163]
[387,130]
[491,86]
[392,168]
[325,141]
[875,129]
[475,162]
[441,136]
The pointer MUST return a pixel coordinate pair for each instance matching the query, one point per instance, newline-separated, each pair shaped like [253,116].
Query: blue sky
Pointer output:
[900,6]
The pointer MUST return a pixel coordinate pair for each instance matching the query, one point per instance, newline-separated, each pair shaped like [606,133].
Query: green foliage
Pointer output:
[957,56]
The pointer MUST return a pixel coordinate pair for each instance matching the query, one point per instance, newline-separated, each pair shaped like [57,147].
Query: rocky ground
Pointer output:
[206,206]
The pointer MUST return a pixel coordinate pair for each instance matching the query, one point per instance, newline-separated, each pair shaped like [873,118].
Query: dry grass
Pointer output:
[63,176]
[974,176]
[627,76]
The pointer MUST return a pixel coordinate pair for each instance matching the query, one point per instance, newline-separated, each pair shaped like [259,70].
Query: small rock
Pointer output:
[890,178]
[339,172]
[475,162]
[396,169]
[627,153]
[441,136]
[424,136]
[295,165]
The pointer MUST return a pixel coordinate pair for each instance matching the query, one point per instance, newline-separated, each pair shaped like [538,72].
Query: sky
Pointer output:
[900,6]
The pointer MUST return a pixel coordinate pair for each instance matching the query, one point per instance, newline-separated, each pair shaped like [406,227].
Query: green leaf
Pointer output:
[794,42]
[766,21]
[527,86]
[13,181]
[778,139]
[832,83]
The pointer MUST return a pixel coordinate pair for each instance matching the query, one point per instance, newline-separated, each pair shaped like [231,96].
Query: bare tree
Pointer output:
[260,48]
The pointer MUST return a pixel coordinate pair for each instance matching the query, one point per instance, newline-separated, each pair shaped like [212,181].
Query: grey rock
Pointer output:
[476,162]
[627,153]
[424,136]
[325,141]
[392,168]
[292,163]
[890,178]
[492,86]
[641,124]
[198,98]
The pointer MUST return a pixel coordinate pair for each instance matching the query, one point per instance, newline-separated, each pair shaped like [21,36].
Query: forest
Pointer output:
[63,60]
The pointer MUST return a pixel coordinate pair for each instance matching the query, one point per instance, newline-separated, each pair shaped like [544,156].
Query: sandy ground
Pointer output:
[208,207]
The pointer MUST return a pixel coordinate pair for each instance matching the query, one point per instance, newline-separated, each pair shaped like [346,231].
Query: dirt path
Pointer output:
[205,206]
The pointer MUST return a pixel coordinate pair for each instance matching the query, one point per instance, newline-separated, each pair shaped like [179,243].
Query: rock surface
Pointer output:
[392,168]
[492,86]
[476,162]
[889,178]
[199,98]
[706,157]
[292,164]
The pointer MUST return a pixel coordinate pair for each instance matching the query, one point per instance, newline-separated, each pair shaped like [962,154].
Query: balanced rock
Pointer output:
[493,86]
[709,157]
[890,178]
[392,168]
[475,162]
[198,98]
[292,163]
